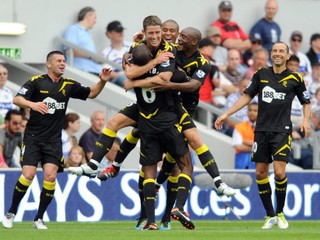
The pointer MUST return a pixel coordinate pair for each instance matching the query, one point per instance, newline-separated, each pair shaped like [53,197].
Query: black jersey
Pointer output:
[47,127]
[156,109]
[196,67]
[275,94]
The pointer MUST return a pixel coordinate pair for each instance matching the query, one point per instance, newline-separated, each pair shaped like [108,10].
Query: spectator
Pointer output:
[10,138]
[220,54]
[232,35]
[206,47]
[75,158]
[6,96]
[314,79]
[315,101]
[294,49]
[314,52]
[115,51]
[89,138]
[80,35]
[259,59]
[234,72]
[247,55]
[266,28]
[302,147]
[71,125]
[110,156]
[243,138]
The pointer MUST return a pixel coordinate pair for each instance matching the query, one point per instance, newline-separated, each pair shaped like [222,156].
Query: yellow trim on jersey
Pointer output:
[24,181]
[185,176]
[150,180]
[191,63]
[36,77]
[201,149]
[109,132]
[264,81]
[169,158]
[291,76]
[284,181]
[150,115]
[183,118]
[262,181]
[203,60]
[64,84]
[49,185]
[173,179]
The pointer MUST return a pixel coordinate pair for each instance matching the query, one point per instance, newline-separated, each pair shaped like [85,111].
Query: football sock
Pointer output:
[149,191]
[209,163]
[102,147]
[46,197]
[19,191]
[184,182]
[166,168]
[126,147]
[141,196]
[172,185]
[281,190]
[265,195]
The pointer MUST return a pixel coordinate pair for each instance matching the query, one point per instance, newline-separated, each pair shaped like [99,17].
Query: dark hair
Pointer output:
[70,117]
[294,58]
[12,112]
[141,54]
[284,44]
[50,54]
[151,21]
[83,12]
[172,21]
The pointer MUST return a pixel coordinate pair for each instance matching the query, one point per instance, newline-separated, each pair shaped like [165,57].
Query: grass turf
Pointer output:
[118,230]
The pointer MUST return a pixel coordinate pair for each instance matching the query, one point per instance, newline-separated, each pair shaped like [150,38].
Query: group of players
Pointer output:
[166,78]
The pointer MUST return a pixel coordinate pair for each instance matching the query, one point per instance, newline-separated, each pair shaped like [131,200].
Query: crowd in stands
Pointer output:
[235,56]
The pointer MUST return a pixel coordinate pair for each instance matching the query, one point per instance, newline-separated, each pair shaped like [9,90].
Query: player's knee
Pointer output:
[113,123]
[135,132]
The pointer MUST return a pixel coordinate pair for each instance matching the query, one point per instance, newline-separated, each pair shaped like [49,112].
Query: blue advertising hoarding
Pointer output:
[84,199]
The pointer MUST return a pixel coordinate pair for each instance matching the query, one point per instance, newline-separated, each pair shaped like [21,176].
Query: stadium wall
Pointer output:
[47,19]
[84,199]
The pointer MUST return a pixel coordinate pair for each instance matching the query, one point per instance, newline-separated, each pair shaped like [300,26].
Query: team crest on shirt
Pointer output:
[166,64]
[306,95]
[200,73]
[23,91]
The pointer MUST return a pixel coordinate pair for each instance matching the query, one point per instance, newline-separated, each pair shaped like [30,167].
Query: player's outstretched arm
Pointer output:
[104,78]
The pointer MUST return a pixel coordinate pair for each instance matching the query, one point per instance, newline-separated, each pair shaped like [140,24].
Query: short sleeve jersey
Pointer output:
[47,127]
[156,109]
[196,67]
[275,96]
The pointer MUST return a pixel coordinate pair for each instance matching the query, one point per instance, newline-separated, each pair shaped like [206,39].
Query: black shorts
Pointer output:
[184,118]
[154,145]
[131,111]
[34,152]
[270,146]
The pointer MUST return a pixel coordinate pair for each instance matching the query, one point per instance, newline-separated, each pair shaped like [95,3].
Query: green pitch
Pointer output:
[118,230]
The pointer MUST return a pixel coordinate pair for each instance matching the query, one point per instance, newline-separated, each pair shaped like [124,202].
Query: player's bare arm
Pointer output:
[40,107]
[189,86]
[243,101]
[104,78]
[306,120]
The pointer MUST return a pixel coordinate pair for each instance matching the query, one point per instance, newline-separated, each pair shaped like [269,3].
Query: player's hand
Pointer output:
[138,36]
[128,84]
[163,57]
[125,59]
[105,74]
[305,127]
[220,121]
[40,107]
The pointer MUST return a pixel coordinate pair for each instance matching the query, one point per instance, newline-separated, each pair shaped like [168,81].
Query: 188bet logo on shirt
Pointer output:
[268,94]
[52,105]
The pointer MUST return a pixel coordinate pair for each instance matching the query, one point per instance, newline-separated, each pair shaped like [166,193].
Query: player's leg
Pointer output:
[178,149]
[29,169]
[262,158]
[281,154]
[126,117]
[127,145]
[143,216]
